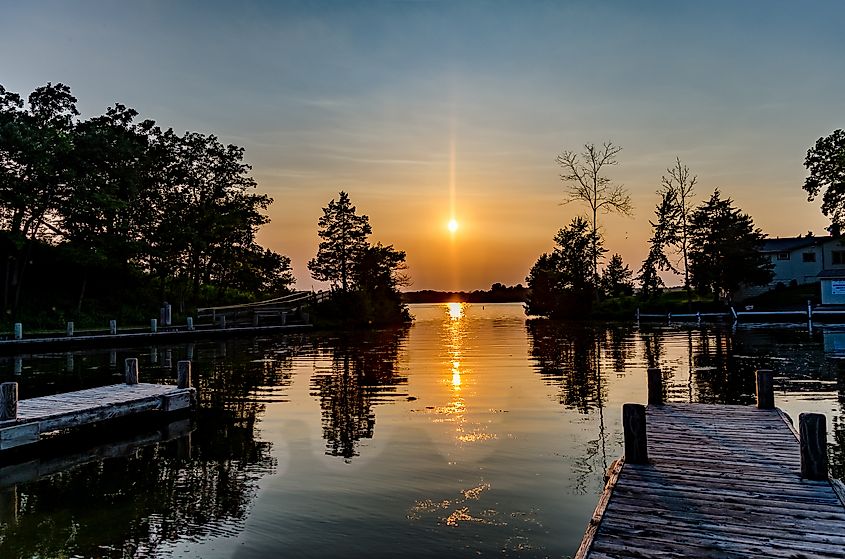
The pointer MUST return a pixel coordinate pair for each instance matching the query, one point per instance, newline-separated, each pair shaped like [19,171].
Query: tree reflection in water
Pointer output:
[363,373]
[566,355]
[91,510]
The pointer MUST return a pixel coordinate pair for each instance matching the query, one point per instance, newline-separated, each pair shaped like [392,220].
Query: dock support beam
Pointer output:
[813,435]
[131,370]
[633,425]
[183,372]
[655,387]
[8,401]
[765,390]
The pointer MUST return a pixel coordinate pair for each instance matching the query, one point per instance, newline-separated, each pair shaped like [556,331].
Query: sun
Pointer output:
[453,225]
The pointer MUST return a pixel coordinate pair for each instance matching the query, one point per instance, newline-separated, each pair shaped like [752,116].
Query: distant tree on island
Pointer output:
[724,249]
[562,282]
[498,293]
[123,214]
[343,235]
[365,278]
[825,162]
[584,182]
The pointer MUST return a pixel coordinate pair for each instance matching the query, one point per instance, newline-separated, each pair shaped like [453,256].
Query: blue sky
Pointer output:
[372,97]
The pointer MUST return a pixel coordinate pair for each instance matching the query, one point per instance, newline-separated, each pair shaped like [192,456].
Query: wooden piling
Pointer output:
[634,427]
[131,370]
[190,322]
[222,321]
[18,331]
[8,401]
[765,390]
[183,372]
[153,325]
[813,439]
[655,387]
[113,327]
[70,329]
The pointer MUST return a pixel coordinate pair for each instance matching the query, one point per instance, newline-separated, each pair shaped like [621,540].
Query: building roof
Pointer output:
[785,244]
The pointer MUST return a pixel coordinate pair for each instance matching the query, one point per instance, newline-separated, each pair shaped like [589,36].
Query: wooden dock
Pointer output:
[26,421]
[718,481]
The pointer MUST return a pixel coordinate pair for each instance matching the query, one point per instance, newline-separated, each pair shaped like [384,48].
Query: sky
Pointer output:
[426,111]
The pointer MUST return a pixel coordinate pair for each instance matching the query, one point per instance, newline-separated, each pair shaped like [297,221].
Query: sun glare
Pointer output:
[456,310]
[453,225]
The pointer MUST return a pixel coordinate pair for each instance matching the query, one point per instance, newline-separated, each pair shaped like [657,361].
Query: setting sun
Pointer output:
[453,225]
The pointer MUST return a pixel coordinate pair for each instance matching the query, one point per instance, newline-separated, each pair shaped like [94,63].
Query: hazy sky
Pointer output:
[399,102]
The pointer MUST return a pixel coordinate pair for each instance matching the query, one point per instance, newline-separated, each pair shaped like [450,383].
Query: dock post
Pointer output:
[70,329]
[113,327]
[255,319]
[18,330]
[190,321]
[131,370]
[223,321]
[18,365]
[284,317]
[633,425]
[189,350]
[765,390]
[69,362]
[813,435]
[183,372]
[809,310]
[153,325]
[168,314]
[698,317]
[8,401]
[655,387]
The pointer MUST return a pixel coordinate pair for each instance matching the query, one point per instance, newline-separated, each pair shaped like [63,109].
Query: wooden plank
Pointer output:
[595,521]
[37,416]
[722,481]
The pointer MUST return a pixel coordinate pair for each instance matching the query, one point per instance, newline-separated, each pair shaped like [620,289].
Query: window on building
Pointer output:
[809,257]
[784,255]
[837,257]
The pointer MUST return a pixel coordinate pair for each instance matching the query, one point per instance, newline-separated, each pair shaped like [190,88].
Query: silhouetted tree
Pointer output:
[725,249]
[562,283]
[616,278]
[344,236]
[584,182]
[682,187]
[664,233]
[826,163]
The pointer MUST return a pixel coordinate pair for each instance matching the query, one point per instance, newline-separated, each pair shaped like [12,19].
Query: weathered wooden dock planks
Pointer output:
[31,418]
[720,481]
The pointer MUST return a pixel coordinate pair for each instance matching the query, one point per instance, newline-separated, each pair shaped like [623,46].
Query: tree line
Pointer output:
[120,198]
[115,214]
[713,246]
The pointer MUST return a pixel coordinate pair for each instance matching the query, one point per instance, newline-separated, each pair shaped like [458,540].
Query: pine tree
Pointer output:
[344,239]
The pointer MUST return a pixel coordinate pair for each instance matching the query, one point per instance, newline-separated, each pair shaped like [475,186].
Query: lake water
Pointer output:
[471,433]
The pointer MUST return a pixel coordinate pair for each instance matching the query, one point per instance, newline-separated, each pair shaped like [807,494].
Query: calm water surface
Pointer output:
[473,432]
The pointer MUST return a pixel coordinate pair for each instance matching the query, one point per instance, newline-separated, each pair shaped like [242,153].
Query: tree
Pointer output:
[562,283]
[682,186]
[616,278]
[664,234]
[344,238]
[584,182]
[826,163]
[725,249]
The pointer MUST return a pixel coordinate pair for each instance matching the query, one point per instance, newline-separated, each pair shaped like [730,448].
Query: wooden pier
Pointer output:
[26,421]
[718,481]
